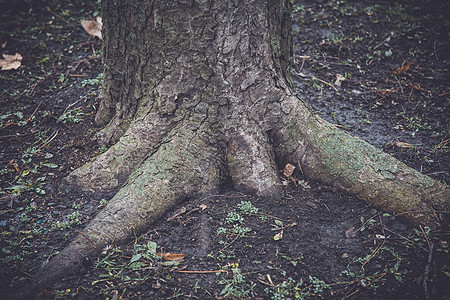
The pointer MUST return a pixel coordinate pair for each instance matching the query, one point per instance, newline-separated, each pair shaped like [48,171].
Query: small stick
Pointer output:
[435,52]
[34,112]
[89,240]
[58,16]
[201,272]
[69,106]
[327,83]
[48,141]
[427,271]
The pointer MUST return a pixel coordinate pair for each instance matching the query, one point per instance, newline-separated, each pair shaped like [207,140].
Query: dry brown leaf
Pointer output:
[10,62]
[402,69]
[4,44]
[171,256]
[203,207]
[350,233]
[384,93]
[403,145]
[12,164]
[92,27]
[288,170]
[339,79]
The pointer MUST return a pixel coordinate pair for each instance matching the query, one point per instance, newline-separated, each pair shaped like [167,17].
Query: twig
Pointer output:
[202,272]
[13,135]
[69,106]
[404,237]
[48,141]
[384,41]
[59,17]
[315,78]
[229,243]
[367,221]
[348,296]
[323,81]
[89,240]
[6,125]
[427,271]
[373,254]
[435,52]
[34,112]
[425,235]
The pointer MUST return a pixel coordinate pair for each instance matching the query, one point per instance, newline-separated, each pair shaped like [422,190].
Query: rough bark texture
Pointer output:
[196,93]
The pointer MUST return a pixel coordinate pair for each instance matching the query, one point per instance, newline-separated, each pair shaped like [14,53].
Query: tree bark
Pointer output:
[196,94]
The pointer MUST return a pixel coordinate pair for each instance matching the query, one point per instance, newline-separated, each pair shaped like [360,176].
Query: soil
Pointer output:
[314,243]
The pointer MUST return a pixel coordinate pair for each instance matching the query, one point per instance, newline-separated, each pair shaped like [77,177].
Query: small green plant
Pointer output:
[24,217]
[74,116]
[234,217]
[247,208]
[92,81]
[64,294]
[103,202]
[76,206]
[286,290]
[236,286]
[120,270]
[221,230]
[290,289]
[102,149]
[240,230]
[369,223]
[74,218]
[317,286]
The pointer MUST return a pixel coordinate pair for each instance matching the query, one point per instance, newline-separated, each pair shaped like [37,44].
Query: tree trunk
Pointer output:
[196,94]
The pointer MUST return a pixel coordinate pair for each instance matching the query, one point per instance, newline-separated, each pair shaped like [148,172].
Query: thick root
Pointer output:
[334,157]
[183,165]
[251,164]
[109,171]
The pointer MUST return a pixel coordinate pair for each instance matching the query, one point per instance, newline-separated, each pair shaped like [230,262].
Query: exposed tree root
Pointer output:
[184,164]
[109,171]
[330,155]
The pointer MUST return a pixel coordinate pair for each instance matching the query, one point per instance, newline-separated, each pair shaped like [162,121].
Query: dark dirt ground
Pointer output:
[315,243]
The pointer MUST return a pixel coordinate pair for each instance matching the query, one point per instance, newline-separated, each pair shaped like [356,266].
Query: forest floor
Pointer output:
[377,69]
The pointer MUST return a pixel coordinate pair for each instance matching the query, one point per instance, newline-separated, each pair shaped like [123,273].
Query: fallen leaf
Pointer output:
[203,207]
[402,69]
[12,164]
[339,79]
[403,145]
[345,255]
[288,170]
[350,233]
[10,62]
[278,236]
[92,27]
[384,93]
[178,212]
[4,45]
[171,256]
